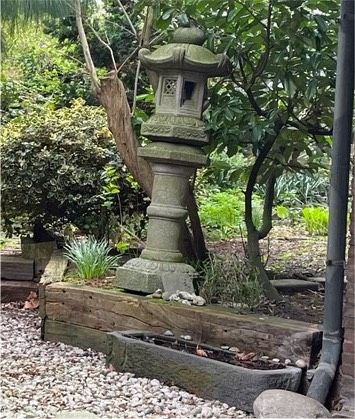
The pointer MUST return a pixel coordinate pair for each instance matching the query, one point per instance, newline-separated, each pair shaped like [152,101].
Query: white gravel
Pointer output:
[40,379]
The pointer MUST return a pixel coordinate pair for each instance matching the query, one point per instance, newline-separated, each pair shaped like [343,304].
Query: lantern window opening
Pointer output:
[188,91]
[169,87]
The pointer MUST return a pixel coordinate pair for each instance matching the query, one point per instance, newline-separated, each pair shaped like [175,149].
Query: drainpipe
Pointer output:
[338,205]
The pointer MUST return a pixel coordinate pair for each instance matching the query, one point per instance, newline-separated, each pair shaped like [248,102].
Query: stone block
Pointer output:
[147,276]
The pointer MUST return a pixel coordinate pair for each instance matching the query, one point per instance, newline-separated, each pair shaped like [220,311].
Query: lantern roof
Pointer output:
[186,53]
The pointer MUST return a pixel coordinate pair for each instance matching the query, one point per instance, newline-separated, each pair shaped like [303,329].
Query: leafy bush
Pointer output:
[222,213]
[90,257]
[37,74]
[316,220]
[231,280]
[52,165]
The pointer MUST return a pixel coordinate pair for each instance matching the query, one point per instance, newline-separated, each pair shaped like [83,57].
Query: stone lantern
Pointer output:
[179,73]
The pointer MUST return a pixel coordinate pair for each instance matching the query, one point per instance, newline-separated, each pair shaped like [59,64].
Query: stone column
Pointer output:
[161,265]
[167,212]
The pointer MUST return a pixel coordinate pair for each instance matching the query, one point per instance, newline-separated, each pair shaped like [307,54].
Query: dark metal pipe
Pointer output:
[338,205]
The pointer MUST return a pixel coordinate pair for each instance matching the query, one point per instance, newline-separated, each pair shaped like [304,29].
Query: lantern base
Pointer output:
[146,276]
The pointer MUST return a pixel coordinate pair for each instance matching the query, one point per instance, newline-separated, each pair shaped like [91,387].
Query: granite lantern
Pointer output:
[179,73]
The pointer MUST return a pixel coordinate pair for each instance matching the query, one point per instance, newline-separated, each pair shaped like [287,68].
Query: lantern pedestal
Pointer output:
[161,264]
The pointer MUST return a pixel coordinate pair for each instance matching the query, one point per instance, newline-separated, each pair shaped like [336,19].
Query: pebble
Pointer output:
[45,379]
[168,333]
[300,363]
[225,347]
[186,337]
[275,360]
[287,361]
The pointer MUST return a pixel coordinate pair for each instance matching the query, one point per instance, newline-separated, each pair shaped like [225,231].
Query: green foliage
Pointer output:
[299,189]
[282,212]
[222,212]
[225,171]
[38,75]
[90,257]
[316,220]
[231,280]
[52,164]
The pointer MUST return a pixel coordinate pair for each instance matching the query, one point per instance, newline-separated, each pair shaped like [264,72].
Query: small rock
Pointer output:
[198,301]
[206,412]
[225,347]
[184,295]
[168,333]
[157,294]
[234,349]
[186,302]
[265,358]
[300,363]
[286,404]
[186,337]
[287,361]
[275,360]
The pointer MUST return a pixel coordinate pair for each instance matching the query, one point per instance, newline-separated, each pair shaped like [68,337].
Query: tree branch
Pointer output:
[105,44]
[86,50]
[269,142]
[128,18]
[267,210]
[260,67]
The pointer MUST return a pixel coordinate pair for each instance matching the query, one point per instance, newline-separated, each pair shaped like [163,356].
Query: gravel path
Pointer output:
[40,379]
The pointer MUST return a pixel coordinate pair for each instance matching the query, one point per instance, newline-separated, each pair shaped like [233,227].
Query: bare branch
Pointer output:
[128,18]
[135,87]
[86,49]
[127,59]
[105,44]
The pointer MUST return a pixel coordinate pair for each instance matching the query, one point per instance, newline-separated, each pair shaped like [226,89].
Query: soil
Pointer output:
[288,253]
[210,352]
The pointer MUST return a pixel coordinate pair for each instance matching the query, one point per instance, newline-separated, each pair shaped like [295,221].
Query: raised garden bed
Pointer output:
[215,376]
[70,312]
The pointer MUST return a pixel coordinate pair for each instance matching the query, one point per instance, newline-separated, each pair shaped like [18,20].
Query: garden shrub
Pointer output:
[39,74]
[52,166]
[316,220]
[231,280]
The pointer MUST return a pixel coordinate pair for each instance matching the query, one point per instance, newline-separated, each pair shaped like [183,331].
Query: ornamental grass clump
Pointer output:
[90,257]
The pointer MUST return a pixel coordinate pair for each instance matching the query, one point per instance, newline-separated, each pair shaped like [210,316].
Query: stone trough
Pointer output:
[207,378]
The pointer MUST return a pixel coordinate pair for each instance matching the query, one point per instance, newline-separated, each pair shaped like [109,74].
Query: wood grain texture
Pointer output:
[113,310]
[16,268]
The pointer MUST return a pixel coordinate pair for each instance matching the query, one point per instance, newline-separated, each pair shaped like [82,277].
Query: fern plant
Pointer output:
[90,257]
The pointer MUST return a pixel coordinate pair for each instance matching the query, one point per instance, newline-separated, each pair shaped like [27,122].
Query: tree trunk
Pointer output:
[254,256]
[254,235]
[113,97]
